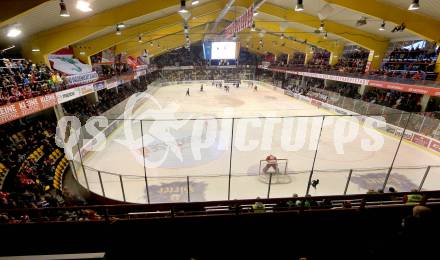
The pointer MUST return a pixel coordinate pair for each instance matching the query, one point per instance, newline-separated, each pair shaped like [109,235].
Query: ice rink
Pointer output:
[293,127]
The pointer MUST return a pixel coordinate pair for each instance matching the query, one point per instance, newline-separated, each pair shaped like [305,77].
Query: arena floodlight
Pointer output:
[183,9]
[83,6]
[140,39]
[382,26]
[415,5]
[299,6]
[63,9]
[321,26]
[118,31]
[13,32]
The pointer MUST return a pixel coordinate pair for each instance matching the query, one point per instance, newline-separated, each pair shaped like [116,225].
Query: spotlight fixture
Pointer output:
[382,26]
[183,9]
[140,39]
[253,27]
[282,36]
[399,28]
[83,6]
[35,50]
[185,28]
[299,6]
[414,6]
[151,44]
[120,25]
[63,9]
[195,2]
[321,26]
[255,13]
[325,36]
[362,21]
[13,32]
[118,31]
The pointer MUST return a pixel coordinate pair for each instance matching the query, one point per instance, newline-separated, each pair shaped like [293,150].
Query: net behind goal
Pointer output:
[274,172]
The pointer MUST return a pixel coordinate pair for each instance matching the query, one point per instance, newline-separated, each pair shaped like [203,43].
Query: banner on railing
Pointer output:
[111,84]
[26,107]
[86,89]
[67,95]
[82,78]
[99,86]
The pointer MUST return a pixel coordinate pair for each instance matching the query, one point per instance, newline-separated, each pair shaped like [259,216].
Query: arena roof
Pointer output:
[42,27]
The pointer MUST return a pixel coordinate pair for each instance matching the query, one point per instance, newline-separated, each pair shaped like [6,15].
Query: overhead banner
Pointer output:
[69,65]
[241,23]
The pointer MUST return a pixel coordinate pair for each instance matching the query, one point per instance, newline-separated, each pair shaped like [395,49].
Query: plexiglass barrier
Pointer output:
[349,147]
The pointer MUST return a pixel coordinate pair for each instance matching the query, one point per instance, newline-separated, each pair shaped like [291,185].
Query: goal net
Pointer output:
[274,172]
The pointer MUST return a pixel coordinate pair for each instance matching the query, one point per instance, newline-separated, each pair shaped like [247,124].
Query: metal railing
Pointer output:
[321,70]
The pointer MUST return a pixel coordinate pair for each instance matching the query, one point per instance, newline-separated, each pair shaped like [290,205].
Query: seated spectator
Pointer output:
[258,207]
[412,198]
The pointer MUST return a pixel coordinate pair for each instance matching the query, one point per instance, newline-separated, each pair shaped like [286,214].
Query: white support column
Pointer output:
[424,102]
[363,89]
[59,112]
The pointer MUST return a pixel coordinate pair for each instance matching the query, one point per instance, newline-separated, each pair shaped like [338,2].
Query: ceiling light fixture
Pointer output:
[118,31]
[35,50]
[321,26]
[63,9]
[253,27]
[255,13]
[361,21]
[414,6]
[13,32]
[282,36]
[120,25]
[183,9]
[195,2]
[325,36]
[382,26]
[140,39]
[83,6]
[151,44]
[299,6]
[185,29]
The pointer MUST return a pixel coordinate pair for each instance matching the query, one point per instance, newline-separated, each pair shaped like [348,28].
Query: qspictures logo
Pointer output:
[160,137]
